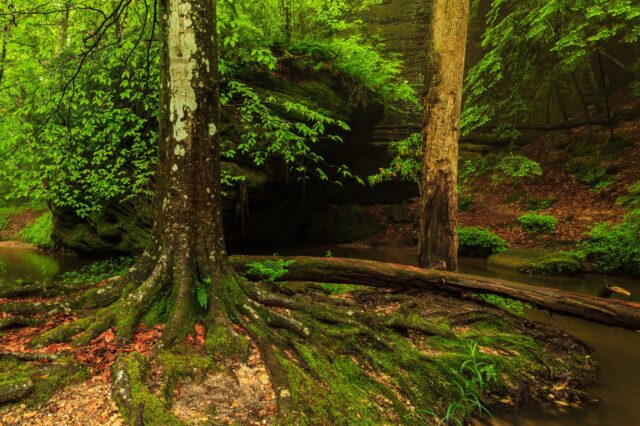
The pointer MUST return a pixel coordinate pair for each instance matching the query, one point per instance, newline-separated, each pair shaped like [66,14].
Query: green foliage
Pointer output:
[407,163]
[268,134]
[632,198]
[473,378]
[78,107]
[515,307]
[474,241]
[533,48]
[514,167]
[589,172]
[98,271]
[538,223]
[269,270]
[614,248]
[201,293]
[39,232]
[7,211]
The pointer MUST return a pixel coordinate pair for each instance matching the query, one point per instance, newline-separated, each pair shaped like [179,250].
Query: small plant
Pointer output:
[538,223]
[39,232]
[328,254]
[98,271]
[632,198]
[465,202]
[269,270]
[475,373]
[479,242]
[614,248]
[201,293]
[407,164]
[514,167]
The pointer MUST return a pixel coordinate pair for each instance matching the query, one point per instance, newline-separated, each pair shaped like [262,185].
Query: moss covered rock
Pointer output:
[535,261]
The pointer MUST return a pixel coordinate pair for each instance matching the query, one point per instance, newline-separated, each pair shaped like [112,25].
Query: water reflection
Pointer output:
[33,265]
[616,350]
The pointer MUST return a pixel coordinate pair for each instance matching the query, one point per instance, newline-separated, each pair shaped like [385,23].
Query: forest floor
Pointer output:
[582,179]
[72,385]
[15,219]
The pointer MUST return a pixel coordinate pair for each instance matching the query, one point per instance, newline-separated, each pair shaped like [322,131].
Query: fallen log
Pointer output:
[613,312]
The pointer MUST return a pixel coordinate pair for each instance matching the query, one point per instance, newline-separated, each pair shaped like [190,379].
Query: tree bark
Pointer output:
[445,58]
[388,275]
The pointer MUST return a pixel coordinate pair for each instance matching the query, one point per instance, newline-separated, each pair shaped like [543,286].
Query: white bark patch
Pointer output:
[182,65]
[212,129]
[179,151]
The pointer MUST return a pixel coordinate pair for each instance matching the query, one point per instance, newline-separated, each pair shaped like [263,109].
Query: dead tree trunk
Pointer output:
[442,104]
[388,275]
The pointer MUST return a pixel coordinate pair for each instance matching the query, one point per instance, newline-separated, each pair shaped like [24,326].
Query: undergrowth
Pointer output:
[269,270]
[538,223]
[614,248]
[475,241]
[98,271]
[39,232]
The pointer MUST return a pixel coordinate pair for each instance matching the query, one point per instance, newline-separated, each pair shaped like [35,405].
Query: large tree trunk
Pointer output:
[184,275]
[388,275]
[442,104]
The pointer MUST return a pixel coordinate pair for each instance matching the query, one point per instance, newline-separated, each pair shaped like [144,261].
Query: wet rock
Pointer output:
[535,261]
[401,213]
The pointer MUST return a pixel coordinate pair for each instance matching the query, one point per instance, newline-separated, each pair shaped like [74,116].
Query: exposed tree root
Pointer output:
[380,356]
[620,313]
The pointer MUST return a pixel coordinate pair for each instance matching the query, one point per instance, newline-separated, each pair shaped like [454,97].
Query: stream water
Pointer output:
[617,350]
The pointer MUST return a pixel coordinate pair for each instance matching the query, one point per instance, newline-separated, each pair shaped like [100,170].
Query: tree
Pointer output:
[534,49]
[442,104]
[185,268]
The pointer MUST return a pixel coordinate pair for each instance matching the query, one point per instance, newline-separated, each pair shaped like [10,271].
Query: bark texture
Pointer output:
[388,275]
[445,61]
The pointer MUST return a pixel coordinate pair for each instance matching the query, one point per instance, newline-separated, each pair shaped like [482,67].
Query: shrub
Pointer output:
[474,241]
[39,232]
[614,248]
[269,270]
[538,223]
[632,198]
[514,167]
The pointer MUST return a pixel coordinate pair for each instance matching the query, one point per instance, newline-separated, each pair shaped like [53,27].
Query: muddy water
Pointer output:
[617,350]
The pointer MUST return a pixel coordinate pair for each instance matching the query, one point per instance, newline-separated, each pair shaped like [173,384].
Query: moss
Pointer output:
[61,333]
[156,313]
[155,410]
[341,288]
[46,377]
[535,261]
[348,393]
[179,363]
[224,343]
